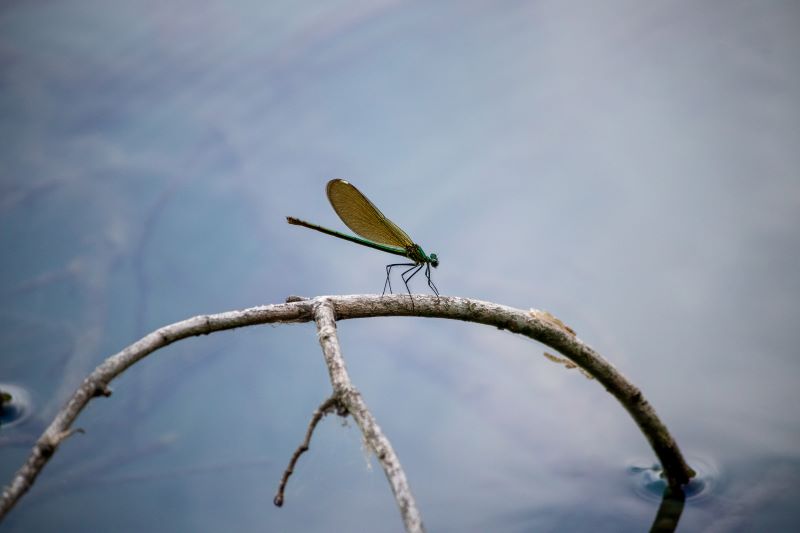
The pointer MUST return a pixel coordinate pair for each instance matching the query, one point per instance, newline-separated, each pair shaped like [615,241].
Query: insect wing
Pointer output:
[361,216]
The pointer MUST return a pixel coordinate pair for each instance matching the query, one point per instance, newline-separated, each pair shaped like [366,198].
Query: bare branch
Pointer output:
[358,306]
[547,331]
[96,383]
[348,395]
[326,407]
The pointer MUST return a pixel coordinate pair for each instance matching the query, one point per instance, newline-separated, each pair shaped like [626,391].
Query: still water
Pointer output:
[630,168]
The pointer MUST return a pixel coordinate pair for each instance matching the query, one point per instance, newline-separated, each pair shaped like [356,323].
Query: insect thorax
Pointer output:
[416,254]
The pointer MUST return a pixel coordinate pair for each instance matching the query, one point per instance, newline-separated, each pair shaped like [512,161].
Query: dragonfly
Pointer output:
[375,230]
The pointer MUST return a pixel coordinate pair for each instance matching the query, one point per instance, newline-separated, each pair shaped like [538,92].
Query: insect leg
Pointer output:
[387,282]
[430,281]
[388,273]
[416,268]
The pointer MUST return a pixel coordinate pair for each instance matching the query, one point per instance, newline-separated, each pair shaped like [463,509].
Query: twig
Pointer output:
[357,306]
[349,396]
[326,407]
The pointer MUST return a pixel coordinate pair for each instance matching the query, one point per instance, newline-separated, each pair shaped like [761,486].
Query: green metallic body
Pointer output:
[413,252]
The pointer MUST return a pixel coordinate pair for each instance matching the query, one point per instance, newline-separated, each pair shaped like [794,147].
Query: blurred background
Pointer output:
[632,168]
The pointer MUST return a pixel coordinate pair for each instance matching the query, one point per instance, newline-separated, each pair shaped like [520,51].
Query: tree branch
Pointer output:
[326,407]
[542,327]
[348,395]
[96,383]
[323,310]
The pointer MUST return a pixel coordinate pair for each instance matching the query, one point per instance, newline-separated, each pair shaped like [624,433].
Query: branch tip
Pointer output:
[325,407]
[64,435]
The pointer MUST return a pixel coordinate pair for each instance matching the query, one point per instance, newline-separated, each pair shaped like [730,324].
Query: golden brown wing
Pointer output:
[361,216]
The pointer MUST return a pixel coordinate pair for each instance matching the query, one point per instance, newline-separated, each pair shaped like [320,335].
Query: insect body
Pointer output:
[376,231]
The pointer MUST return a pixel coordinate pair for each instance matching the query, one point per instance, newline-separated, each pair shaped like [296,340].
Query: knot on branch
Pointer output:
[341,409]
[326,333]
[101,390]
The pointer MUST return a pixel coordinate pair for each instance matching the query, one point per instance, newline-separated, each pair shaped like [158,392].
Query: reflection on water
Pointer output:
[649,481]
[669,512]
